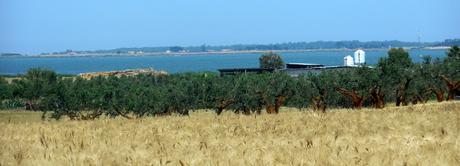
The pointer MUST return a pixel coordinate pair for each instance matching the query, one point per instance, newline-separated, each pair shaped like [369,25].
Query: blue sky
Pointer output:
[35,26]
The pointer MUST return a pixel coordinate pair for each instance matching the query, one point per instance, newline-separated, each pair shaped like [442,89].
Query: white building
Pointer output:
[360,57]
[348,61]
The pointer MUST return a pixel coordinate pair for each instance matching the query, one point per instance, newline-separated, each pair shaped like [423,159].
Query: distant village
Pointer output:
[248,48]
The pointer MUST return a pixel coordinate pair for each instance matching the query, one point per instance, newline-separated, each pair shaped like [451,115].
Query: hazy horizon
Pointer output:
[52,25]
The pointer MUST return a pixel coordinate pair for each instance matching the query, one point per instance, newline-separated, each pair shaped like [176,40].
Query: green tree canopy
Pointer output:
[454,53]
[37,84]
[450,72]
[397,73]
[5,92]
[271,60]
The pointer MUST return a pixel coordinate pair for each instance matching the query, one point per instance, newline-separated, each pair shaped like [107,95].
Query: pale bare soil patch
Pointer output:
[413,135]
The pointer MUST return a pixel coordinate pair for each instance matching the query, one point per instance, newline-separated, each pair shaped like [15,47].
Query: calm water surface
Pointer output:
[186,63]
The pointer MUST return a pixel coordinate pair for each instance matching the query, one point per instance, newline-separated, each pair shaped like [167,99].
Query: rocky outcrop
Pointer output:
[119,73]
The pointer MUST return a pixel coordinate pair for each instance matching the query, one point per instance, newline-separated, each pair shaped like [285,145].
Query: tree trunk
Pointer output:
[222,105]
[184,112]
[422,99]
[400,99]
[377,97]
[438,92]
[319,103]
[451,95]
[356,99]
[32,105]
[416,99]
[258,108]
[279,101]
[91,116]
[219,110]
[358,103]
[246,111]
[124,115]
[270,108]
[452,86]
[28,105]
[401,93]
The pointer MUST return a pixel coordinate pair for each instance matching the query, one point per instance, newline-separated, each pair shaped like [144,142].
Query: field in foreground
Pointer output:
[413,135]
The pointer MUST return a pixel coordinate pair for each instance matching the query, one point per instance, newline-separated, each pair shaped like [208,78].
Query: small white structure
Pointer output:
[360,57]
[348,61]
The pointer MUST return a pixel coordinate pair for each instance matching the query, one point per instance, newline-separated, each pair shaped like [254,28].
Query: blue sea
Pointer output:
[186,63]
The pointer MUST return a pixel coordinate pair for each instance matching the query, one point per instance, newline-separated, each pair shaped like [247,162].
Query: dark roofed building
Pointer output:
[295,72]
[302,65]
[244,70]
[292,69]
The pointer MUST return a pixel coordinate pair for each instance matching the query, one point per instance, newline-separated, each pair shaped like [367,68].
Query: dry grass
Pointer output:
[19,116]
[413,135]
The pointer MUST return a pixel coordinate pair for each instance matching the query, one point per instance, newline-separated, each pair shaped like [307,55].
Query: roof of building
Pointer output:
[244,69]
[359,50]
[307,64]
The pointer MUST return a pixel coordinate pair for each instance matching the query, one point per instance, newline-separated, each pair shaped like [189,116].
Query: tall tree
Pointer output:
[271,60]
[322,90]
[222,92]
[5,92]
[356,83]
[246,98]
[454,53]
[36,84]
[397,71]
[451,72]
[302,92]
[426,81]
[274,89]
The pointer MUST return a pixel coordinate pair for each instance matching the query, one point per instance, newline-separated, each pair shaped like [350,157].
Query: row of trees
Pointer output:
[352,44]
[394,79]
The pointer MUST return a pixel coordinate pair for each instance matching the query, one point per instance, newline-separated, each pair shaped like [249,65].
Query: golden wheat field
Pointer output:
[413,135]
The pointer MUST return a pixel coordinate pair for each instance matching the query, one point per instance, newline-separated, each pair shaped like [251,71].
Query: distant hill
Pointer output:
[10,54]
[351,44]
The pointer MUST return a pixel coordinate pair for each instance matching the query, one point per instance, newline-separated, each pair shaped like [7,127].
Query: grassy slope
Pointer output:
[422,134]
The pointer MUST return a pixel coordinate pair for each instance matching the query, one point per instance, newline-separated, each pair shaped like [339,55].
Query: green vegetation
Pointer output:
[271,60]
[351,44]
[394,80]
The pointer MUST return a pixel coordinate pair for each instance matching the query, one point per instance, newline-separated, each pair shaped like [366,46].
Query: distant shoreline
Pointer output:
[109,54]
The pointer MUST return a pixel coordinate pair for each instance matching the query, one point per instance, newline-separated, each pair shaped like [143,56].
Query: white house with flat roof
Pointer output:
[348,61]
[360,57]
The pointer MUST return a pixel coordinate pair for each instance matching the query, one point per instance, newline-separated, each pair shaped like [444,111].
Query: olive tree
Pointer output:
[246,96]
[5,91]
[222,92]
[450,72]
[323,91]
[427,82]
[397,72]
[35,85]
[356,84]
[274,89]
